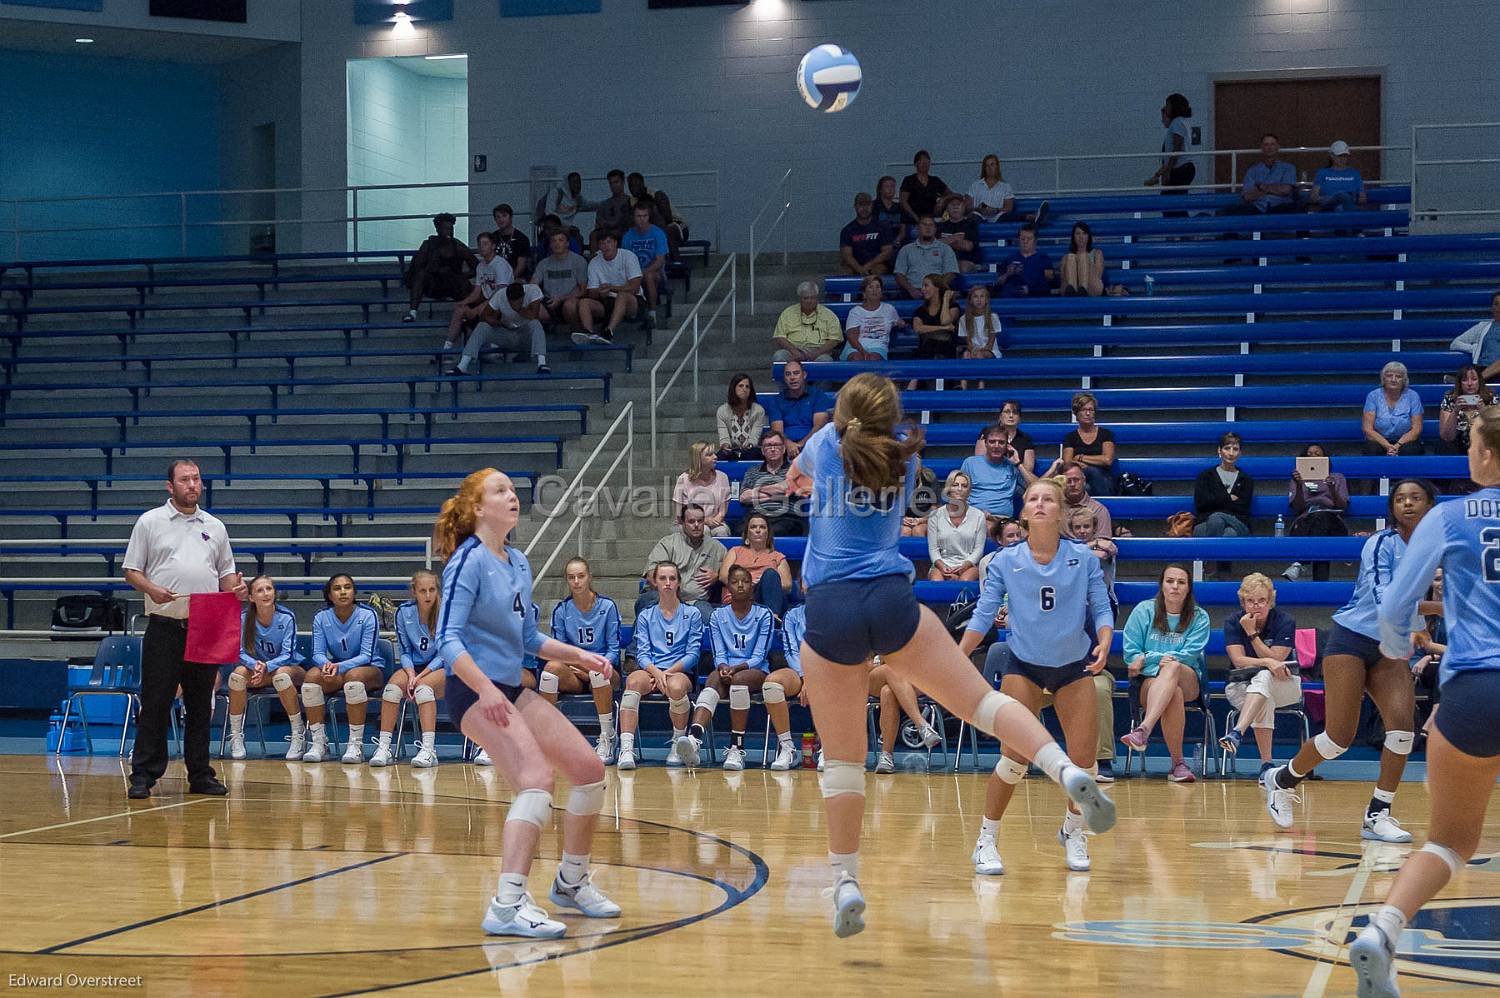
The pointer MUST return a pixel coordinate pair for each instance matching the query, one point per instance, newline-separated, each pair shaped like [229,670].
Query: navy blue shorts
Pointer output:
[460,697]
[1050,678]
[1346,642]
[1469,716]
[849,621]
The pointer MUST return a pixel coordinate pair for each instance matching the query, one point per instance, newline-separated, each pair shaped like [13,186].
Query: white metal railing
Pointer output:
[179,211]
[1057,162]
[1431,176]
[626,454]
[782,197]
[729,297]
[422,544]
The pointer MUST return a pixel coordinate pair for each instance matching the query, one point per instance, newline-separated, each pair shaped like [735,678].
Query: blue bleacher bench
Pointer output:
[272,260]
[1298,431]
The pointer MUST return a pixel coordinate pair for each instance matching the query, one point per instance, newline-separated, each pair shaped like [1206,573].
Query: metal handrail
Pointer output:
[699,329]
[1420,214]
[783,187]
[626,454]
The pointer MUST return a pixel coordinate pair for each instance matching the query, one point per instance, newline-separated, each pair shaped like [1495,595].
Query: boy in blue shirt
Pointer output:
[1029,270]
[649,244]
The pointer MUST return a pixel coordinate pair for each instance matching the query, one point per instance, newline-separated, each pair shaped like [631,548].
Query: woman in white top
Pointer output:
[703,485]
[955,534]
[1176,171]
[990,197]
[870,324]
[741,420]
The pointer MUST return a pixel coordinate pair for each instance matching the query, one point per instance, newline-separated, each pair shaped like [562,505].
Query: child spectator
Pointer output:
[1028,271]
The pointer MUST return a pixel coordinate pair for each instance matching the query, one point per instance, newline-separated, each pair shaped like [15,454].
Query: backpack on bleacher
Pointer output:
[86,612]
[385,611]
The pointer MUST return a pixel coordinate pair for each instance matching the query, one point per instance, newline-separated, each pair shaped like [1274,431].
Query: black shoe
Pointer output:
[138,791]
[454,372]
[210,787]
[543,369]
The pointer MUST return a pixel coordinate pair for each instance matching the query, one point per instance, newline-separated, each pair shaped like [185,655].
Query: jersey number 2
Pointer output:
[1489,558]
[1049,599]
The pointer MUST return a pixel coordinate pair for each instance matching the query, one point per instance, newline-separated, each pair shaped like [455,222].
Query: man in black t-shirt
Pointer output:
[921,191]
[865,245]
[511,245]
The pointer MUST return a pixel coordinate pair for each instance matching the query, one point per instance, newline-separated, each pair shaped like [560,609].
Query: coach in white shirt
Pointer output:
[175,550]
[614,289]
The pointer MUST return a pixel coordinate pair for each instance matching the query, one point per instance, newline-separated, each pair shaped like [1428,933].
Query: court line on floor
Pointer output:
[1337,930]
[105,817]
[219,903]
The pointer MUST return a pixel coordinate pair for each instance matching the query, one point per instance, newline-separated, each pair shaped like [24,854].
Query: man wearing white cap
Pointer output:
[1338,186]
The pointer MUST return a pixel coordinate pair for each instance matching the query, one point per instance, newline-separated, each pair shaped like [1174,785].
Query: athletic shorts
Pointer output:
[1050,678]
[460,697]
[851,620]
[1469,716]
[1346,642]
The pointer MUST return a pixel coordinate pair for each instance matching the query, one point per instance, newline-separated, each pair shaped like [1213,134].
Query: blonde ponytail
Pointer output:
[866,416]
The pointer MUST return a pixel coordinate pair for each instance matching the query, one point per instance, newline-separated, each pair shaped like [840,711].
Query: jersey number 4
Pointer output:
[1489,558]
[516,606]
[1049,599]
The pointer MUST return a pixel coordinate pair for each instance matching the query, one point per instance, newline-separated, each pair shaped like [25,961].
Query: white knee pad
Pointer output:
[681,706]
[707,700]
[630,700]
[392,693]
[355,693]
[312,695]
[772,693]
[1327,747]
[1010,770]
[840,777]
[281,682]
[587,799]
[597,679]
[531,806]
[237,682]
[1399,742]
[424,694]
[546,683]
[1454,860]
[984,714]
[739,698]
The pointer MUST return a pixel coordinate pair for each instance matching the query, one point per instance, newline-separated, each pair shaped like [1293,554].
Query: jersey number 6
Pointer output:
[1049,599]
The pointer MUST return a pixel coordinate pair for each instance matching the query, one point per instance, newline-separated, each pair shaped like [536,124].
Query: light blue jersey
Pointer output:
[1377,566]
[665,641]
[486,611]
[793,627]
[533,661]
[1053,607]
[1463,537]
[275,645]
[852,534]
[597,631]
[351,643]
[415,644]
[741,642]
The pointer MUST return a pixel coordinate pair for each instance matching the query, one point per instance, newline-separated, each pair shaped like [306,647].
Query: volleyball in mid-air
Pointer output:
[828,78]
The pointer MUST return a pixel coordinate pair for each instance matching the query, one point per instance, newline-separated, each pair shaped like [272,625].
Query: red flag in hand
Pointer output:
[213,636]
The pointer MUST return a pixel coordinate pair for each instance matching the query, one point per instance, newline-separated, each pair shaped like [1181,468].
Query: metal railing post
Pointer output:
[752,268]
[354,216]
[786,207]
[697,338]
[653,415]
[718,213]
[1415,207]
[1057,176]
[734,299]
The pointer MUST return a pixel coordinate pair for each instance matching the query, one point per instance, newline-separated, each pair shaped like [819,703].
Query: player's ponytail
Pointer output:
[455,522]
[866,416]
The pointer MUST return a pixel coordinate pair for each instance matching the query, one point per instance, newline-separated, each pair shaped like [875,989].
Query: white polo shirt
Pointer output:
[186,553]
[623,269]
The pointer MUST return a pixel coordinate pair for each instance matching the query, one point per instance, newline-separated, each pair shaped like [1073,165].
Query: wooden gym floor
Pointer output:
[319,880]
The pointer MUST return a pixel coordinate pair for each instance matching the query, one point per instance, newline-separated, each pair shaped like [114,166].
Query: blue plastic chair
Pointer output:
[116,673]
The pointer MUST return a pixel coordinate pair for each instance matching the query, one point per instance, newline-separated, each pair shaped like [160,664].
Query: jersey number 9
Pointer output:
[1049,599]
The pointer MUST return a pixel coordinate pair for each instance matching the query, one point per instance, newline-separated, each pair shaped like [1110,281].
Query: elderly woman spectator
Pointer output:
[1460,405]
[1317,511]
[703,485]
[868,328]
[1091,445]
[770,572]
[955,534]
[741,420]
[1393,416]
[1083,265]
[1264,675]
[807,330]
[990,197]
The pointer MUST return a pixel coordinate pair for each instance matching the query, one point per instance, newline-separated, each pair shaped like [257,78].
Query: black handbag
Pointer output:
[87,612]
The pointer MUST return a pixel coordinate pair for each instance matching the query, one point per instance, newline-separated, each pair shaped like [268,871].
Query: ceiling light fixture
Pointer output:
[438,58]
[403,28]
[84,41]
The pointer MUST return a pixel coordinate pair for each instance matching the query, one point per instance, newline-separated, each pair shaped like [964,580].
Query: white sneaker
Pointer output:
[1383,828]
[1076,847]
[354,754]
[410,316]
[383,757]
[579,337]
[605,749]
[582,897]
[820,760]
[482,759]
[885,763]
[1293,572]
[848,907]
[299,746]
[1279,801]
[1373,958]
[786,758]
[930,737]
[987,859]
[316,752]
[426,758]
[689,751]
[674,761]
[734,759]
[236,746]
[523,919]
[1098,810]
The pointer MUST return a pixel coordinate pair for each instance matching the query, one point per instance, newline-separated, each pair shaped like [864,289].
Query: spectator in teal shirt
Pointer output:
[1164,643]
[1338,186]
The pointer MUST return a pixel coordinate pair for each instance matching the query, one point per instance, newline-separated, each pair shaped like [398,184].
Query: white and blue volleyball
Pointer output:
[828,78]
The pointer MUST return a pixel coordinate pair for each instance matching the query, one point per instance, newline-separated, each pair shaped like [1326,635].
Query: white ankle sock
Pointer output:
[607,725]
[1391,920]
[356,734]
[785,740]
[319,733]
[679,732]
[385,740]
[627,741]
[236,724]
[429,740]
[988,827]
[512,886]
[1072,822]
[1051,760]
[573,868]
[299,726]
[842,863]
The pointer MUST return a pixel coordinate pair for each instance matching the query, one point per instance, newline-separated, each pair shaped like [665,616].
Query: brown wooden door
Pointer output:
[1307,112]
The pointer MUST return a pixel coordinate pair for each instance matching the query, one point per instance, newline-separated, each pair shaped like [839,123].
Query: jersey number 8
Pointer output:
[1049,599]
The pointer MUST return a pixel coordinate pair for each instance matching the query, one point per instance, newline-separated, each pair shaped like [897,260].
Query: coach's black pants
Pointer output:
[162,671]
